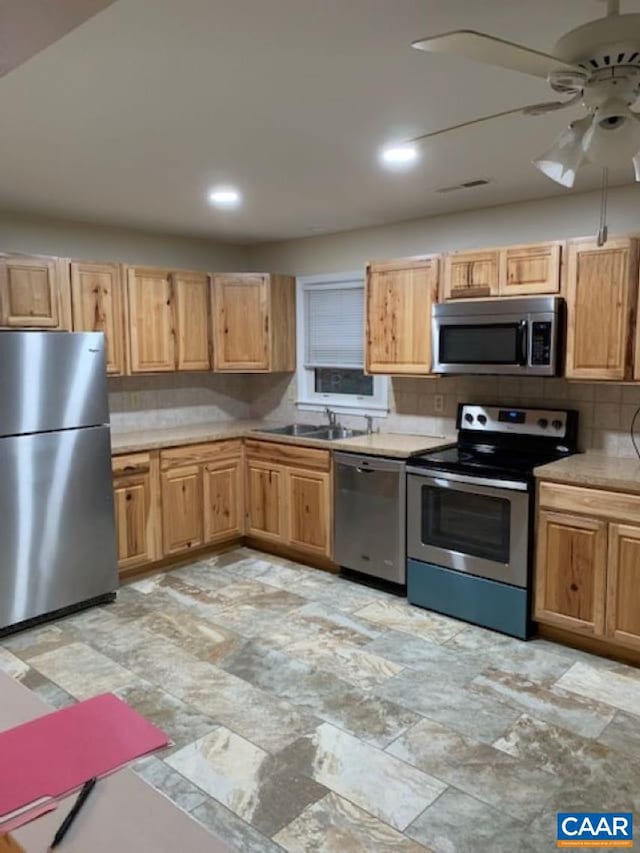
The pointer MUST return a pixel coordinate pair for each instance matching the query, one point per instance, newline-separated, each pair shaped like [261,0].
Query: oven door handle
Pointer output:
[443,478]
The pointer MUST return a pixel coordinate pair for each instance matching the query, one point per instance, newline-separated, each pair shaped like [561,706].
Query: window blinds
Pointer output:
[334,319]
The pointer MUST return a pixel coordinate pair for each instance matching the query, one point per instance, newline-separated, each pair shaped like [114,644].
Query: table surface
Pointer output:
[123,812]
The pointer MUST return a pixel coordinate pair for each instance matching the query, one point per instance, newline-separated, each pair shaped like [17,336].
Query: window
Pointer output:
[331,347]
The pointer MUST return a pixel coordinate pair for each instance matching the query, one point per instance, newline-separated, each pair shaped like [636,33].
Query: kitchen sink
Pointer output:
[335,433]
[293,429]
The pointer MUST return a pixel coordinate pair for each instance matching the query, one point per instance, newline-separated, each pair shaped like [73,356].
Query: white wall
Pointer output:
[43,235]
[554,218]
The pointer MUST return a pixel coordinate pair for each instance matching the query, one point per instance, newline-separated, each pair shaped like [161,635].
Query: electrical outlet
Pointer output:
[291,392]
[438,403]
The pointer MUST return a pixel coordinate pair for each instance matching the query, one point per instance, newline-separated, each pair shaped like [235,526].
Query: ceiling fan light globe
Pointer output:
[636,166]
[558,172]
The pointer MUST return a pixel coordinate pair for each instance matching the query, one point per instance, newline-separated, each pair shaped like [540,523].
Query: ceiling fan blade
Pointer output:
[528,110]
[494,51]
[28,26]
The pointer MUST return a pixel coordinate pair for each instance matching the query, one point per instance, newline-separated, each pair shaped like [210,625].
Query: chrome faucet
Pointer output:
[331,416]
[369,420]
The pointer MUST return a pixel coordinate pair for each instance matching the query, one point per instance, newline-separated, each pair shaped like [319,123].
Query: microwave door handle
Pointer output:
[524,343]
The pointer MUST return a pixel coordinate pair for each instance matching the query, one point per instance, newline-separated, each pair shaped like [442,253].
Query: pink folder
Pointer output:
[49,757]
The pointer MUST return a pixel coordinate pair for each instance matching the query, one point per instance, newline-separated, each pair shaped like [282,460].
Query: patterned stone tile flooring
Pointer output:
[310,713]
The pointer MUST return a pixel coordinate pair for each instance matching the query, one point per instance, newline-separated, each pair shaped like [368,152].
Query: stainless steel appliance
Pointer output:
[369,515]
[470,512]
[57,542]
[522,337]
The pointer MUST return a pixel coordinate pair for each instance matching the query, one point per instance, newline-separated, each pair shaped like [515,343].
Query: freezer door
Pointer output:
[57,540]
[51,381]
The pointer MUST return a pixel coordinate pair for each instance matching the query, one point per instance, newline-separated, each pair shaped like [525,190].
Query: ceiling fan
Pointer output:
[596,64]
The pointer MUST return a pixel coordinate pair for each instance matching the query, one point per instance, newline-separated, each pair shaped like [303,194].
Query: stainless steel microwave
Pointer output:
[511,336]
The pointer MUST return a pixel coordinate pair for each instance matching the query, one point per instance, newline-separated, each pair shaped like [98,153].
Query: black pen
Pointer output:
[87,788]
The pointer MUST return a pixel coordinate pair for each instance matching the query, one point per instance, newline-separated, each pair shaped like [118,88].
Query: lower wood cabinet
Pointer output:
[202,495]
[136,485]
[289,496]
[588,563]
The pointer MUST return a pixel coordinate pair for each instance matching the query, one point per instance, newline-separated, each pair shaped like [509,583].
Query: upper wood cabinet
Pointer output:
[151,331]
[602,292]
[398,301]
[471,274]
[623,586]
[168,320]
[136,488]
[571,571]
[34,292]
[98,306]
[528,270]
[191,299]
[254,319]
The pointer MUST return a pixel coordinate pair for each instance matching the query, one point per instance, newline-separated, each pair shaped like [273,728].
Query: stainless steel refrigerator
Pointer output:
[57,540]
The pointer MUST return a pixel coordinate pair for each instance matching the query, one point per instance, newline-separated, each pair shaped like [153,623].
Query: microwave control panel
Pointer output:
[541,334]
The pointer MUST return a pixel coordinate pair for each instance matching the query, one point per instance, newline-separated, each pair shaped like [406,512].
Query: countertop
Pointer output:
[395,445]
[594,469]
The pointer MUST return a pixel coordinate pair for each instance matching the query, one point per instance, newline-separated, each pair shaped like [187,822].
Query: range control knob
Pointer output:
[482,419]
[557,424]
[468,418]
[543,423]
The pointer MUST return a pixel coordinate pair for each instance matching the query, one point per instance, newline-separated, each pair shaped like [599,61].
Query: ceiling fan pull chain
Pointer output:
[603,231]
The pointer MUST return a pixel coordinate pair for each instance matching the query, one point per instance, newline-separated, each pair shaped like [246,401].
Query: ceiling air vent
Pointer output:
[467,185]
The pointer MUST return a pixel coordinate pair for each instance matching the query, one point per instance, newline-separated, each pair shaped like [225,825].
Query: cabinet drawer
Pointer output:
[195,454]
[131,463]
[616,506]
[288,454]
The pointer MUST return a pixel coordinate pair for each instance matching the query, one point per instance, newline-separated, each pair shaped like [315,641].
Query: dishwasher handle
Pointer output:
[367,464]
[364,470]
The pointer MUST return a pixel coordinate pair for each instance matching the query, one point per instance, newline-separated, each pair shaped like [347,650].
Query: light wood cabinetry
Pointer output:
[191,300]
[572,558]
[623,586]
[151,329]
[137,509]
[471,274]
[34,292]
[588,563]
[530,270]
[510,271]
[168,320]
[398,301]
[253,323]
[602,292]
[202,495]
[289,496]
[98,306]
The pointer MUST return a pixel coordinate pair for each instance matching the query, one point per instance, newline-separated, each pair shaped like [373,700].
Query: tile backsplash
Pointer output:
[606,410]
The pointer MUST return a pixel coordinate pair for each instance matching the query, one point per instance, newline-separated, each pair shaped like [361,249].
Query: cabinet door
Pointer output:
[265,501]
[602,285]
[191,294]
[241,322]
[182,509]
[530,269]
[623,586]
[223,500]
[135,488]
[34,293]
[398,303]
[309,503]
[471,274]
[571,569]
[151,332]
[96,291]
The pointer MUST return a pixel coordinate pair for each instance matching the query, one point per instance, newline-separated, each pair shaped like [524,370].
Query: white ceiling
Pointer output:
[130,118]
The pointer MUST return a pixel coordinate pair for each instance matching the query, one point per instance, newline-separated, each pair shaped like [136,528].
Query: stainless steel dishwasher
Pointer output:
[369,515]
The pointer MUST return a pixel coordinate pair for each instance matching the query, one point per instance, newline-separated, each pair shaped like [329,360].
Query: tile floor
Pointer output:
[309,713]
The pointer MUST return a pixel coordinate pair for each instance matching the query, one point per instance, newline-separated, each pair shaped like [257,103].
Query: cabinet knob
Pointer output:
[574,587]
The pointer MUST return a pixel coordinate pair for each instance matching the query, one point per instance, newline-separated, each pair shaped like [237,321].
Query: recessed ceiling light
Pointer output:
[225,197]
[398,156]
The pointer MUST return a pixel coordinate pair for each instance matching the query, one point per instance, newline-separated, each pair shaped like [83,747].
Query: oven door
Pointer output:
[469,524]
